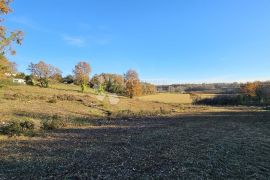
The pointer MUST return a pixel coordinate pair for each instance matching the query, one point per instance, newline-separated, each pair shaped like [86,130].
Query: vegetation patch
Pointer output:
[18,127]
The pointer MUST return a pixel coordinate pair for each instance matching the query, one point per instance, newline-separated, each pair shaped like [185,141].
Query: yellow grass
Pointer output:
[34,102]
[173,98]
[168,98]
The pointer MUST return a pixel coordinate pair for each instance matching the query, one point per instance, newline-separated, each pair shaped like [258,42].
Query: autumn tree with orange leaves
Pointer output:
[250,89]
[133,85]
[7,37]
[82,74]
[6,40]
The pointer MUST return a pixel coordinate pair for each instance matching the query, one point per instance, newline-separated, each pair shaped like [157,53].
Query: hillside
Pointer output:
[67,102]
[130,138]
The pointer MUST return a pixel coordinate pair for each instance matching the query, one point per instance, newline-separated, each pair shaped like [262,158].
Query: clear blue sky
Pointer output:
[166,41]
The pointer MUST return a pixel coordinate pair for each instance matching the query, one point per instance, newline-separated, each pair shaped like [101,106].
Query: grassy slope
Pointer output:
[173,98]
[33,102]
[194,142]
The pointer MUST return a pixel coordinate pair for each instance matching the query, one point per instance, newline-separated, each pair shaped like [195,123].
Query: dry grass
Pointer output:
[132,139]
[173,98]
[67,102]
[202,146]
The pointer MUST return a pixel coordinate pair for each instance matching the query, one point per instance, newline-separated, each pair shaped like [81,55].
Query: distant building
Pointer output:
[19,81]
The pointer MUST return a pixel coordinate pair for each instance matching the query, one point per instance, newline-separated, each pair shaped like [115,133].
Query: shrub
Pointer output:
[18,128]
[164,111]
[53,100]
[227,101]
[53,124]
[220,100]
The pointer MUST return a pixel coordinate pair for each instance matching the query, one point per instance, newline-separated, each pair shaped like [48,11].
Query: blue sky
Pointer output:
[166,41]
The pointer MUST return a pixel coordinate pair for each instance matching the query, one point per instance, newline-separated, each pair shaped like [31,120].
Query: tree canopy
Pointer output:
[8,37]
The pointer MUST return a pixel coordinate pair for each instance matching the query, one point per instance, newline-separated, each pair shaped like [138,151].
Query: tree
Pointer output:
[112,83]
[42,72]
[57,78]
[263,92]
[148,89]
[6,68]
[133,85]
[6,37]
[82,74]
[131,74]
[250,89]
[69,79]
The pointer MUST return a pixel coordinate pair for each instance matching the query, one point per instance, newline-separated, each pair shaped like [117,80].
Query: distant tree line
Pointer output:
[215,88]
[128,84]
[255,93]
[43,74]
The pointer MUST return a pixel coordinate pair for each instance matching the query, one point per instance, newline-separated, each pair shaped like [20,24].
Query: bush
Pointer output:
[53,100]
[18,128]
[228,101]
[53,124]
[220,100]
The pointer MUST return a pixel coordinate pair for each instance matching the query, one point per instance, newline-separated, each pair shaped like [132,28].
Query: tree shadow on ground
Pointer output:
[227,145]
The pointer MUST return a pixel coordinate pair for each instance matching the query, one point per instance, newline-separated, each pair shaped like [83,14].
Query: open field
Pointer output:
[173,98]
[132,138]
[34,102]
[192,146]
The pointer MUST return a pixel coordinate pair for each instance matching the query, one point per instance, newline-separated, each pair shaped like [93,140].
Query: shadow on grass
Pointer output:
[224,145]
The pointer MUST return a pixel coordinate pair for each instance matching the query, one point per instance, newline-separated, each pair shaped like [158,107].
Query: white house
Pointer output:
[19,81]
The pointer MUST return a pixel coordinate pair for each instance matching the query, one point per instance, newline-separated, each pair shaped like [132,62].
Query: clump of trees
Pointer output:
[148,89]
[82,74]
[42,73]
[112,83]
[69,79]
[256,93]
[250,89]
[129,84]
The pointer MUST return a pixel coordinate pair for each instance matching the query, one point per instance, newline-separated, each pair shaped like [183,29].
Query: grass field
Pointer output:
[140,138]
[172,98]
[34,102]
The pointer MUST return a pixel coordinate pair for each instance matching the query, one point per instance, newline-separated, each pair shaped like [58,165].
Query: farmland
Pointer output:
[173,98]
[134,90]
[140,139]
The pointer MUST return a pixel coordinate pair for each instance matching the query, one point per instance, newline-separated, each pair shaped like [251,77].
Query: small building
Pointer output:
[19,81]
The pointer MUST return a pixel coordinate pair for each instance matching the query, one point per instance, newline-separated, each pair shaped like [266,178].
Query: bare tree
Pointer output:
[131,74]
[42,72]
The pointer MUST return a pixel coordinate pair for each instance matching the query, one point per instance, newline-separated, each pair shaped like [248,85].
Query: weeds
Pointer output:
[15,127]
[54,123]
